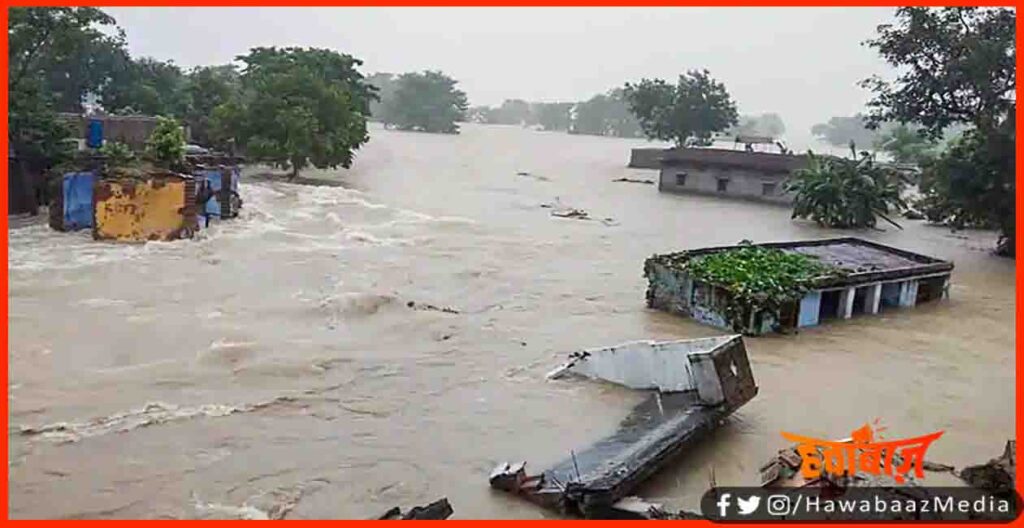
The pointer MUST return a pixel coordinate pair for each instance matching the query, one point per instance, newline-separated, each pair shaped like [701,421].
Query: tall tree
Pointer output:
[427,102]
[906,144]
[56,56]
[841,131]
[206,88]
[298,107]
[957,67]
[605,114]
[385,85]
[513,112]
[768,125]
[552,116]
[69,50]
[688,113]
[146,86]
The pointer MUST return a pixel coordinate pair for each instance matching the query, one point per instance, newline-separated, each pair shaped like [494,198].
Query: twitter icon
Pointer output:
[748,505]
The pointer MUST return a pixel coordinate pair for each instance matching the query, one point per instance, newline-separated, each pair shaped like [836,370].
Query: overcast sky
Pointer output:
[802,63]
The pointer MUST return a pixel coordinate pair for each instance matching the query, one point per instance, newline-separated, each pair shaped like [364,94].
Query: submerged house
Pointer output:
[856,277]
[731,173]
[136,204]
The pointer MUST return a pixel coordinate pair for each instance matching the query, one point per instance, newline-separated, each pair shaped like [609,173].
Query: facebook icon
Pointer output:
[723,503]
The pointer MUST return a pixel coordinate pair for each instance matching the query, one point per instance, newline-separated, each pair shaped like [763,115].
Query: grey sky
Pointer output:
[802,63]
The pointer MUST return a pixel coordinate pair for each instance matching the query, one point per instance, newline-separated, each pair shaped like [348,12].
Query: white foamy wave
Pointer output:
[213,510]
[150,414]
[270,209]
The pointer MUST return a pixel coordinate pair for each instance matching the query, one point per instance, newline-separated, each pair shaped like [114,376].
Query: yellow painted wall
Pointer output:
[140,210]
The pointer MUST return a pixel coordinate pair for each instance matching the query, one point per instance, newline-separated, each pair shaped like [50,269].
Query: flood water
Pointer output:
[273,367]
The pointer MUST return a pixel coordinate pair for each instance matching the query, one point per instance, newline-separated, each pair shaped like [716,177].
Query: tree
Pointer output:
[56,55]
[845,193]
[146,86]
[957,67]
[688,113]
[841,131]
[511,112]
[767,125]
[68,50]
[969,184]
[385,85]
[552,116]
[605,115]
[428,102]
[207,88]
[298,107]
[905,144]
[166,144]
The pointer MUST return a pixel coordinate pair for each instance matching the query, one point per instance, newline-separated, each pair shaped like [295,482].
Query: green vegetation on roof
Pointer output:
[756,278]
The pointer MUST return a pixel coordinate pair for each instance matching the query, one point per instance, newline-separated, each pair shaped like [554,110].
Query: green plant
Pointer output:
[117,154]
[166,144]
[845,193]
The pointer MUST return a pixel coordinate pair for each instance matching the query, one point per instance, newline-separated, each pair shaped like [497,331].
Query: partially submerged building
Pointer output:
[146,204]
[869,277]
[730,173]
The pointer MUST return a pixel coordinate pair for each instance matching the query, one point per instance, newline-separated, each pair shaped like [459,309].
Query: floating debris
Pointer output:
[578,214]
[431,307]
[534,176]
[438,510]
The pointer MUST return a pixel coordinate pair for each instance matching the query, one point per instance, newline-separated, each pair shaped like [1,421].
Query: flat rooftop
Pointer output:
[863,260]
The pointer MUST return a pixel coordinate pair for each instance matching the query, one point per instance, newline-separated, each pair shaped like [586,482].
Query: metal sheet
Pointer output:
[77,200]
[140,210]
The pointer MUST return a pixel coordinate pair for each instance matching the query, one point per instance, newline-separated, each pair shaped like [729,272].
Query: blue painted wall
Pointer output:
[810,305]
[77,190]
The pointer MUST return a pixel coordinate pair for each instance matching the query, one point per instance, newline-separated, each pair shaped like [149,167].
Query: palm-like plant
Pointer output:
[845,193]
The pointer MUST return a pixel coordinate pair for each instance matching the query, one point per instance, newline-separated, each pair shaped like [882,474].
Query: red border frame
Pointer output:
[4,496]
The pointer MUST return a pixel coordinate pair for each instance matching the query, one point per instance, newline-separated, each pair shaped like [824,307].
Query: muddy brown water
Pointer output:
[272,367]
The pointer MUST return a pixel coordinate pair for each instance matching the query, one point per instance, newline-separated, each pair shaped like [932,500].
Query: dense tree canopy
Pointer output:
[55,57]
[687,113]
[146,86]
[385,85]
[606,115]
[906,144]
[63,49]
[298,107]
[765,125]
[206,88]
[427,101]
[957,67]
[841,131]
[553,116]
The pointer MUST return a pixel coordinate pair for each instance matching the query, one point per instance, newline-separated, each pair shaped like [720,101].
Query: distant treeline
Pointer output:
[606,114]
